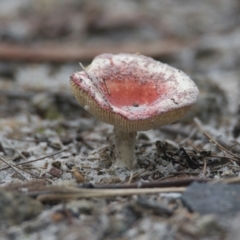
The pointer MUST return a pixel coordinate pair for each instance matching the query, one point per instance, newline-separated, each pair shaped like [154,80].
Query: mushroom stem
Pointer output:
[124,145]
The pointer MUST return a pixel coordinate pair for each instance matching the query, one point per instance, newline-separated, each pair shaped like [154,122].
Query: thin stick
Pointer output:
[16,150]
[199,124]
[137,174]
[108,91]
[192,133]
[58,53]
[73,193]
[183,182]
[229,180]
[14,168]
[80,64]
[94,81]
[130,178]
[33,174]
[35,160]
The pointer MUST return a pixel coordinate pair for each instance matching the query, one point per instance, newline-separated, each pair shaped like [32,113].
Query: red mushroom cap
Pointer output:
[133,92]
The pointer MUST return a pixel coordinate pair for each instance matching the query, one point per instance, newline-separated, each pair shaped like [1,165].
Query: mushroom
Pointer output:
[132,93]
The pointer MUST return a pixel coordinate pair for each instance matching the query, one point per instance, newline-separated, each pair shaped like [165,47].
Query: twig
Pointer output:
[176,130]
[137,174]
[47,156]
[61,193]
[184,133]
[229,180]
[33,174]
[96,82]
[130,178]
[156,184]
[108,91]
[198,123]
[53,52]
[192,133]
[37,187]
[14,168]
[15,149]
[35,160]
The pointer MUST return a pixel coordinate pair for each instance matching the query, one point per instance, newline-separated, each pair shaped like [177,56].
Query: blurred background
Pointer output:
[42,41]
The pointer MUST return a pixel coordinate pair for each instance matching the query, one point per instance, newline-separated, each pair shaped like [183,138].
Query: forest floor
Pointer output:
[56,177]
